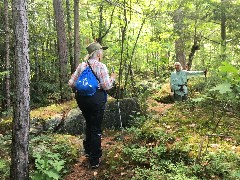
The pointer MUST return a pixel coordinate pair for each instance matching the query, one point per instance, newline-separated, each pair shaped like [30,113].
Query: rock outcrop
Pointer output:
[73,122]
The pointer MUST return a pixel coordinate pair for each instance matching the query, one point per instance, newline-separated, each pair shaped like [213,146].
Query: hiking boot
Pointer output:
[86,154]
[95,163]
[95,166]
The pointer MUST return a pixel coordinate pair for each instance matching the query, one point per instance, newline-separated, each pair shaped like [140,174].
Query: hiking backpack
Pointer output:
[87,82]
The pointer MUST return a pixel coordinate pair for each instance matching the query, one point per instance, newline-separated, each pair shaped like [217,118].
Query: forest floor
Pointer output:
[81,169]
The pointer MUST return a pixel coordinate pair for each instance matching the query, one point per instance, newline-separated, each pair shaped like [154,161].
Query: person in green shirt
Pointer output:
[178,81]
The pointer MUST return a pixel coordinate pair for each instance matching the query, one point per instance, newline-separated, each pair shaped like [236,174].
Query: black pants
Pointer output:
[93,108]
[179,98]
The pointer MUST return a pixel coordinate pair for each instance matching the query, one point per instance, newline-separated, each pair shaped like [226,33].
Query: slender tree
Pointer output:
[76,36]
[20,132]
[62,49]
[7,58]
[223,29]
[123,30]
[70,38]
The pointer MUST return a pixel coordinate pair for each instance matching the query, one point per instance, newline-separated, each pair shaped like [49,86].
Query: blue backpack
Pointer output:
[87,82]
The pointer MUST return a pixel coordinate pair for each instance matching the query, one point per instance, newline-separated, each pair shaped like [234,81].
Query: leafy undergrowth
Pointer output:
[50,155]
[180,144]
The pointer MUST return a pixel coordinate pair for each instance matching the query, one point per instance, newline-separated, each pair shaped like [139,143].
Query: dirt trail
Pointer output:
[82,171]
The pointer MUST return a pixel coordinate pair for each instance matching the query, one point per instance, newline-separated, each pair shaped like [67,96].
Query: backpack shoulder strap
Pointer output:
[93,71]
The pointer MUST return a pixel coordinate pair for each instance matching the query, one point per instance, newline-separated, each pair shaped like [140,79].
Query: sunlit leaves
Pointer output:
[222,88]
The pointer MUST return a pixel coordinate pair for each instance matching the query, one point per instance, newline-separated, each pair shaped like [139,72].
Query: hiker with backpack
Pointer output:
[178,81]
[90,82]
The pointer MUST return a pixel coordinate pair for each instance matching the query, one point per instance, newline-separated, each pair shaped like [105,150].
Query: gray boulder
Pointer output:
[74,121]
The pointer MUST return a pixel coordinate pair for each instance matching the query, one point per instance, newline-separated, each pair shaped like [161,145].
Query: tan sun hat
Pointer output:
[91,48]
[95,46]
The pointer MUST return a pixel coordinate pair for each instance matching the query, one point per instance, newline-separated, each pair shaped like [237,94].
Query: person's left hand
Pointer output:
[113,75]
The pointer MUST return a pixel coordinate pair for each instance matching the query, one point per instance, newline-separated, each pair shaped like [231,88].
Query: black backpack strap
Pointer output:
[93,71]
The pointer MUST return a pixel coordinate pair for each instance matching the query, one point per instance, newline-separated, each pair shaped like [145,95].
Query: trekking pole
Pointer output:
[120,118]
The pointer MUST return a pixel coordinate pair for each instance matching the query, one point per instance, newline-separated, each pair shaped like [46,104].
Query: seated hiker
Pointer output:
[178,81]
[92,106]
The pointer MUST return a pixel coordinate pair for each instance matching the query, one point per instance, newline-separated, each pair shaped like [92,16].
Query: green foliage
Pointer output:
[4,168]
[4,73]
[229,72]
[167,148]
[222,164]
[48,165]
[53,155]
[138,120]
[222,88]
[5,150]
[137,154]
[67,146]
[50,156]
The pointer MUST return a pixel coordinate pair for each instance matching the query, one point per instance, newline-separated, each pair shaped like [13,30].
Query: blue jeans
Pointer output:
[92,108]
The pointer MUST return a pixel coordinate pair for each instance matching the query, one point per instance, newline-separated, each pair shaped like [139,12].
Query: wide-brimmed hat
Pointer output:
[94,47]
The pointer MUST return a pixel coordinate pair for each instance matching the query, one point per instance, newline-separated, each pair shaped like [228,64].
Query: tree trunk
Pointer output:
[223,30]
[70,45]
[180,54]
[194,48]
[179,43]
[76,35]
[62,49]
[7,59]
[99,39]
[20,132]
[37,68]
[133,51]
[123,30]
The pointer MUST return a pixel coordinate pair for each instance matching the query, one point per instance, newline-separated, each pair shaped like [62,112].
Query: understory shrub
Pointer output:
[53,155]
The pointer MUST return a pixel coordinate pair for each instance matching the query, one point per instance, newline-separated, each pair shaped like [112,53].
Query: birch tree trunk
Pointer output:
[76,35]
[7,59]
[20,132]
[62,49]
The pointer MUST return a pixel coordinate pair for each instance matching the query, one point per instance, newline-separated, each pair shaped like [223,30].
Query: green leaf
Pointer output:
[38,176]
[226,67]
[198,99]
[59,165]
[52,174]
[4,73]
[222,88]
[237,174]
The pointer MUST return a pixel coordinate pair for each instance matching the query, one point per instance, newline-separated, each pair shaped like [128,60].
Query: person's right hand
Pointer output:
[205,72]
[113,75]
